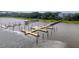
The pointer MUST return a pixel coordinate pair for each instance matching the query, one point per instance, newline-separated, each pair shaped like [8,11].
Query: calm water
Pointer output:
[63,35]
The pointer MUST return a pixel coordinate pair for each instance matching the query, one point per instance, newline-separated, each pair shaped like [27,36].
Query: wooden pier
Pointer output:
[34,30]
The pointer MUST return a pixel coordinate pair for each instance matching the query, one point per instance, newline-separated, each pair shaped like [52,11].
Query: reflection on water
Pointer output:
[63,35]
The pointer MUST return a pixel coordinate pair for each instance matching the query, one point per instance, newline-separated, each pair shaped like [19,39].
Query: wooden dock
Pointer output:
[34,29]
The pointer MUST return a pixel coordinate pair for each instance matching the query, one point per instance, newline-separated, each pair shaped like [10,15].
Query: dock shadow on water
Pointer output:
[61,36]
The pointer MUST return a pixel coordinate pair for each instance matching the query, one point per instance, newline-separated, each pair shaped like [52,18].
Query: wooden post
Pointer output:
[43,36]
[19,26]
[37,38]
[13,27]
[47,35]
[0,25]
[28,27]
[6,26]
[24,26]
[54,34]
[50,34]
[9,23]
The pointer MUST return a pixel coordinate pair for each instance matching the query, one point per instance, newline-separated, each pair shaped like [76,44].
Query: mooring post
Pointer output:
[9,23]
[0,25]
[33,24]
[43,36]
[54,28]
[54,34]
[19,26]
[50,34]
[37,38]
[13,27]
[47,34]
[28,27]
[6,26]
[24,26]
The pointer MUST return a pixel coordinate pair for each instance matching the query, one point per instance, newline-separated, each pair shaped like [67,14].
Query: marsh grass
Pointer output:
[71,22]
[50,20]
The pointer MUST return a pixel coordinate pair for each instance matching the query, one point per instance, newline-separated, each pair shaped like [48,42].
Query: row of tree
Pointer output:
[45,15]
[71,17]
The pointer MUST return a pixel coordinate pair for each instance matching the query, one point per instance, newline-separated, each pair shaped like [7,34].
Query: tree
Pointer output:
[76,17]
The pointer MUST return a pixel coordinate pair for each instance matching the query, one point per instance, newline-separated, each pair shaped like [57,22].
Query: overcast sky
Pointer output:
[39,5]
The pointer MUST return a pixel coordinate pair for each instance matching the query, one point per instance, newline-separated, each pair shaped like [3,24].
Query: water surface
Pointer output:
[66,33]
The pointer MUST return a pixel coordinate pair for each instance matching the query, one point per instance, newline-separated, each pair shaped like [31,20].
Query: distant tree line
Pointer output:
[45,15]
[71,17]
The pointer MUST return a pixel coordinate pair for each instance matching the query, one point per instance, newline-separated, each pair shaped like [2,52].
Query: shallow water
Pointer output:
[61,34]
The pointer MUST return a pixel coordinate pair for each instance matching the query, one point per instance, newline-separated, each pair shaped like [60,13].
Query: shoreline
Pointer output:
[45,20]
[52,20]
